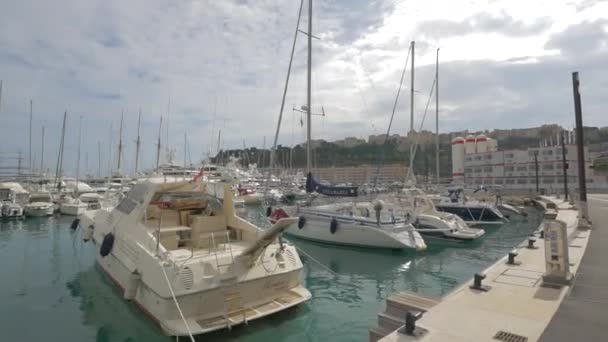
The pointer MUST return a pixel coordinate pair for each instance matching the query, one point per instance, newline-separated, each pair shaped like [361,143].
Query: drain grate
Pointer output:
[509,337]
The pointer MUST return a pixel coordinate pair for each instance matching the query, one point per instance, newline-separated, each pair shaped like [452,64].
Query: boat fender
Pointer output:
[106,245]
[333,225]
[301,222]
[88,235]
[75,224]
[268,211]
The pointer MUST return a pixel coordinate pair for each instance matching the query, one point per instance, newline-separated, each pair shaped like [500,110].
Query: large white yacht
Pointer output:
[418,208]
[40,204]
[189,262]
[356,224]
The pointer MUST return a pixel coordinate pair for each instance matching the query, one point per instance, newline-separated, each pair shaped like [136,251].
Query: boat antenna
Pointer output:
[120,141]
[42,152]
[59,169]
[411,133]
[78,158]
[160,126]
[137,142]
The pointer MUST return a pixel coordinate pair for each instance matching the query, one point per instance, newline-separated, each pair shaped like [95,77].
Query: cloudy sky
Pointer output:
[222,65]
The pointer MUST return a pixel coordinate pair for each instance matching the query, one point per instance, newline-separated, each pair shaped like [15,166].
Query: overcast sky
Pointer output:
[504,64]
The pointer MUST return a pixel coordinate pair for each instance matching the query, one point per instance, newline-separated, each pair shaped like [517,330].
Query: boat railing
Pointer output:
[215,247]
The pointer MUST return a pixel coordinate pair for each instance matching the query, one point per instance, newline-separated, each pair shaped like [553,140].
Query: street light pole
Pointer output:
[536,169]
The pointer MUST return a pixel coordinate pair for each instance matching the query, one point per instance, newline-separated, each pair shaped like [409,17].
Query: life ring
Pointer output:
[333,226]
[106,245]
[301,222]
[75,224]
[268,211]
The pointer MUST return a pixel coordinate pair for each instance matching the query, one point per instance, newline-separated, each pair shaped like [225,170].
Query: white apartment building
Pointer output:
[476,162]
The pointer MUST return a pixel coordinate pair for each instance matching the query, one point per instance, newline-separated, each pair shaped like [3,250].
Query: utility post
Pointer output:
[564,165]
[582,186]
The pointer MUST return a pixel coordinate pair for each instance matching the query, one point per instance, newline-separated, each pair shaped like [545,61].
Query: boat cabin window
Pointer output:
[5,195]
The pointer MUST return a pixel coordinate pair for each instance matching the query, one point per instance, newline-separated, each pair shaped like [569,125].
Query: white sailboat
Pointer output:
[343,223]
[73,206]
[190,262]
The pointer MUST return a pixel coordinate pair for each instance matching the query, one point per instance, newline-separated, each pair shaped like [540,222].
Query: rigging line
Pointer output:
[318,262]
[390,123]
[428,102]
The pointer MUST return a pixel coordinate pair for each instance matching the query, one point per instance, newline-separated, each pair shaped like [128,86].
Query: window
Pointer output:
[488,157]
[522,168]
[548,180]
[498,181]
[487,169]
[510,181]
[478,181]
[547,167]
[547,152]
[508,168]
[531,153]
[522,181]
[477,157]
[532,167]
[477,170]
[467,170]
[508,155]
[558,151]
[467,158]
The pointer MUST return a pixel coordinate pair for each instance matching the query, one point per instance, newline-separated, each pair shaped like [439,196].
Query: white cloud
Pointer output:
[96,58]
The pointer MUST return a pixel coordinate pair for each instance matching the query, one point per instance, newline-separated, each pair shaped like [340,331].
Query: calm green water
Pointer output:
[51,290]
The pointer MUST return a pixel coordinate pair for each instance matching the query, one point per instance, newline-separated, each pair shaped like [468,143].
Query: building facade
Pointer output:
[521,170]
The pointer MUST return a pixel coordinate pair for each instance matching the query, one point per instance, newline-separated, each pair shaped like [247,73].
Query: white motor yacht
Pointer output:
[416,207]
[92,200]
[40,204]
[189,262]
[353,224]
[472,211]
[12,199]
[73,207]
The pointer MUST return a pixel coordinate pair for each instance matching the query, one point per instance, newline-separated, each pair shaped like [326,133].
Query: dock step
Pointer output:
[397,306]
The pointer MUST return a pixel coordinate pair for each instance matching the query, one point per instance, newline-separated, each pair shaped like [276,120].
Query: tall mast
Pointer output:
[185,144]
[437,116]
[137,142]
[59,170]
[78,158]
[30,153]
[308,93]
[0,94]
[411,134]
[293,48]
[160,127]
[120,141]
[42,152]
[219,137]
[98,158]
[168,122]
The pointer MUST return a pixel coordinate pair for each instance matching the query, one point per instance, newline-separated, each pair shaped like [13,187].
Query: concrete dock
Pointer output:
[517,307]
[583,315]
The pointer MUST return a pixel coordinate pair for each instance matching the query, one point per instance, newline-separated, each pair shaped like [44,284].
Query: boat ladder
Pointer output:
[233,304]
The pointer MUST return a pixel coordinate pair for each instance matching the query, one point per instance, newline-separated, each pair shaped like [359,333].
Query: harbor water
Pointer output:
[51,289]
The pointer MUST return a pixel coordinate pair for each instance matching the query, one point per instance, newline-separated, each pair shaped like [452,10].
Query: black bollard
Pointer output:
[531,241]
[477,285]
[511,261]
[541,234]
[410,321]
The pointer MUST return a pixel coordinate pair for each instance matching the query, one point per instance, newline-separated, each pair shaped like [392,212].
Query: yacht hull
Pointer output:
[355,234]
[73,209]
[39,211]
[204,310]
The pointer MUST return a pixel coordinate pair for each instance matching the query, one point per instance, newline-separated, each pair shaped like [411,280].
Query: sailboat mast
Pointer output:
[437,116]
[293,48]
[411,134]
[185,145]
[160,127]
[120,141]
[137,142]
[219,138]
[60,156]
[31,117]
[78,158]
[42,152]
[0,94]
[98,158]
[308,93]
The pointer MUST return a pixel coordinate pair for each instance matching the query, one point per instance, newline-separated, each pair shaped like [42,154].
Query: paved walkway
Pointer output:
[583,315]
